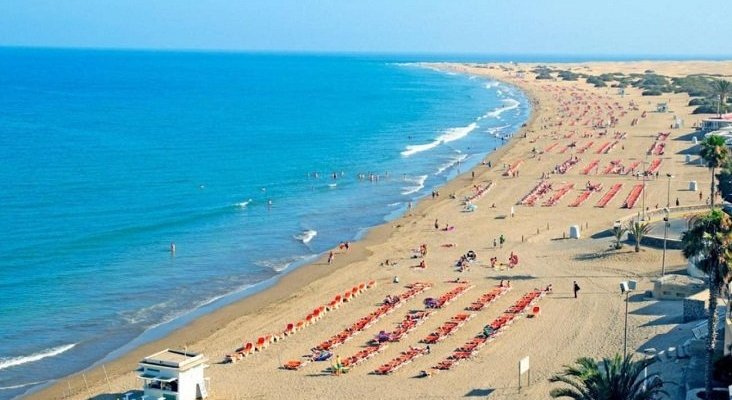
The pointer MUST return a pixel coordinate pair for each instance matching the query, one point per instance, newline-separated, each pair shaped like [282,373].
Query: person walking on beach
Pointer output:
[437,224]
[331,256]
[501,240]
[494,243]
[576,289]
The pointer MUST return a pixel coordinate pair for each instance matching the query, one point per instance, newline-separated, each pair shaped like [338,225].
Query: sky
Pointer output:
[559,27]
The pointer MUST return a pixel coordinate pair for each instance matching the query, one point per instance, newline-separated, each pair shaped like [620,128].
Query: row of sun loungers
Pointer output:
[566,165]
[479,192]
[367,321]
[602,148]
[581,198]
[607,147]
[404,358]
[585,147]
[561,192]
[551,147]
[411,321]
[492,330]
[632,167]
[363,355]
[657,148]
[488,298]
[615,167]
[447,328]
[654,167]
[513,168]
[609,195]
[592,165]
[448,297]
[567,147]
[264,341]
[537,192]
[633,196]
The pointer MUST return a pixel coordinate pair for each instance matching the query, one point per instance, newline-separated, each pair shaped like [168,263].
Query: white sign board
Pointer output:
[524,365]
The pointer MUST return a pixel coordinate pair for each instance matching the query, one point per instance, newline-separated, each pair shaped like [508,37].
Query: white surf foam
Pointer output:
[419,181]
[244,204]
[453,134]
[7,362]
[452,162]
[21,385]
[306,236]
[418,148]
[495,131]
[281,264]
[509,104]
[448,136]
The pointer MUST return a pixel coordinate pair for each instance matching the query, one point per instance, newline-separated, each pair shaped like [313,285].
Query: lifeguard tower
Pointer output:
[173,375]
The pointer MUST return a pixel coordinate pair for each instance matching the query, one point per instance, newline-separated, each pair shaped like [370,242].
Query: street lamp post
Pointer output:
[644,190]
[625,338]
[626,288]
[668,190]
[665,233]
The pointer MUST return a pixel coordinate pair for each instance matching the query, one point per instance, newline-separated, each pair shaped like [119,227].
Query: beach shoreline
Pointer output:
[279,289]
[315,280]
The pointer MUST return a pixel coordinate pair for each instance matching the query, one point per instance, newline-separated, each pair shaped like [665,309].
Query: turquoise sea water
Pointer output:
[108,157]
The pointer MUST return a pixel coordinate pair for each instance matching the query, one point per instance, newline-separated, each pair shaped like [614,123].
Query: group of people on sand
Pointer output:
[463,263]
[342,246]
[423,250]
[391,300]
[513,260]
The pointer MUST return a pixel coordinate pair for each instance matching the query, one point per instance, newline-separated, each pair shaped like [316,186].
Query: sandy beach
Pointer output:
[567,328]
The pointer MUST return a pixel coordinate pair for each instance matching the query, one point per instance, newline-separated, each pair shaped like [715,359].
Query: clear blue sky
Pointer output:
[567,27]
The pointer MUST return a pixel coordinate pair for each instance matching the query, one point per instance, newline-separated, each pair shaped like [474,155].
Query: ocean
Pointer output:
[251,164]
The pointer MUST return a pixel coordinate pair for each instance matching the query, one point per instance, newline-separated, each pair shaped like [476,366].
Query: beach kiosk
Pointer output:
[173,375]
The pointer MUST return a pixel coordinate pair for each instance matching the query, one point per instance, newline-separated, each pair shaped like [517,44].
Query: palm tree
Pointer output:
[721,88]
[715,152]
[638,230]
[611,379]
[618,232]
[709,241]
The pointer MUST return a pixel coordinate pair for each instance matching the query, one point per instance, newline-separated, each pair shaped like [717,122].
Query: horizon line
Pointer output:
[587,56]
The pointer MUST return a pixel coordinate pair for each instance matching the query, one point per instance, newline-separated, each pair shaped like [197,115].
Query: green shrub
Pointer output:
[697,102]
[568,75]
[705,109]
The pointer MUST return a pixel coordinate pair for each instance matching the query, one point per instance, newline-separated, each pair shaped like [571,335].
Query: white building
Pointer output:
[713,124]
[173,375]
